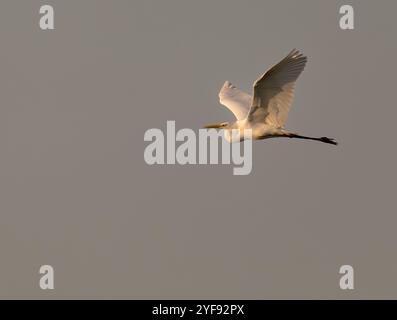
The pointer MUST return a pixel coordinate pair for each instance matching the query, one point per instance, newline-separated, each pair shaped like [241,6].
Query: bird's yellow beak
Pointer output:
[215,126]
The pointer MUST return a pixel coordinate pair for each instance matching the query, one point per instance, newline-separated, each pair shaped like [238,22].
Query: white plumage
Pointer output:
[267,111]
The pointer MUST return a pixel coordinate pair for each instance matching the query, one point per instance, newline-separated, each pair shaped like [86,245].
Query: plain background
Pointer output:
[76,193]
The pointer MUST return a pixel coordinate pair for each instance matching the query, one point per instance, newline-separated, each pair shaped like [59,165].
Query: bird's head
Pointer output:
[222,125]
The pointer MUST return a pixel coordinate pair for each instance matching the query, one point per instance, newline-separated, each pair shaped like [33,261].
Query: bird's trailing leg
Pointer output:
[322,139]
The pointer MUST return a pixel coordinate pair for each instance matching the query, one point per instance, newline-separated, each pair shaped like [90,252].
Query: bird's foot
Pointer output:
[328,140]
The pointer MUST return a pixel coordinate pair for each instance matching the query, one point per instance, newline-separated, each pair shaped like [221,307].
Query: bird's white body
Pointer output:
[258,131]
[266,112]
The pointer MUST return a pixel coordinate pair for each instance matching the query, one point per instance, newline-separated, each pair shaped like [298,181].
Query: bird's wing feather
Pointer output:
[274,90]
[236,100]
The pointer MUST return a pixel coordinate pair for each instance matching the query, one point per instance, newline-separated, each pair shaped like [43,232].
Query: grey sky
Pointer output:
[76,193]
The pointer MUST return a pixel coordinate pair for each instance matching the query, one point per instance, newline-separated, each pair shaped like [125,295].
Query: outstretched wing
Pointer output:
[274,91]
[236,100]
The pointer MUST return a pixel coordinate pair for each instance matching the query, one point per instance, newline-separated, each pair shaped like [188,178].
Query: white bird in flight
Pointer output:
[266,112]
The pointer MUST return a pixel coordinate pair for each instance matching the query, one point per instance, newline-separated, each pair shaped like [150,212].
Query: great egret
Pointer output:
[266,112]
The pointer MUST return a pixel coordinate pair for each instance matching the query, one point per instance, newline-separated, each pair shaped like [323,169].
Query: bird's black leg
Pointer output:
[322,139]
